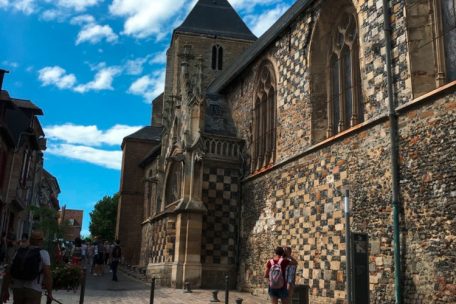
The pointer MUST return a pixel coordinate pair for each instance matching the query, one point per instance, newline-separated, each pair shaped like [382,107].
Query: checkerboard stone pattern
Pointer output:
[221,197]
[162,240]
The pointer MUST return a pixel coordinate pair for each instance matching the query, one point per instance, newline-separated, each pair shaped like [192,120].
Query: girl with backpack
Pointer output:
[274,271]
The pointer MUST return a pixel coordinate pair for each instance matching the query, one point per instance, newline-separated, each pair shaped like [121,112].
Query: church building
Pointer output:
[259,142]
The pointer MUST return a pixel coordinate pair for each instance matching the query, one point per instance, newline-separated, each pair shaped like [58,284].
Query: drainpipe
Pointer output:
[394,154]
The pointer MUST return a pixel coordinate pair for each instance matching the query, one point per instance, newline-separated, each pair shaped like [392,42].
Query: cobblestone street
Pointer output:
[101,290]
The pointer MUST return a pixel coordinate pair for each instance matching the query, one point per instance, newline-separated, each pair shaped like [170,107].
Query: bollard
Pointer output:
[227,289]
[152,290]
[83,284]
[239,301]
[215,296]
[187,287]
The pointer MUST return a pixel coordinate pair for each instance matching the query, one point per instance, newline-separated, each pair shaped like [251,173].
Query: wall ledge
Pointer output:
[327,142]
[428,97]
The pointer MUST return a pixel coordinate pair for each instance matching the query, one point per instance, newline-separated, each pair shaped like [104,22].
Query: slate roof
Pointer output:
[27,105]
[235,69]
[147,133]
[217,18]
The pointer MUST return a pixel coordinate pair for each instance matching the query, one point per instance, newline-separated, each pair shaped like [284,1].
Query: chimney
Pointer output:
[2,74]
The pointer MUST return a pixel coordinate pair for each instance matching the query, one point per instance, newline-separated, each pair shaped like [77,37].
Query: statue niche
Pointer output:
[174,183]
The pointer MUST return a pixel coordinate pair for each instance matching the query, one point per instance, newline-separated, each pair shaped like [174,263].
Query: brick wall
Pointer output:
[130,213]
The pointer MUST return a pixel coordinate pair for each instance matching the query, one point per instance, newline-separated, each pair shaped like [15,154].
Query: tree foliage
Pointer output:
[46,220]
[103,218]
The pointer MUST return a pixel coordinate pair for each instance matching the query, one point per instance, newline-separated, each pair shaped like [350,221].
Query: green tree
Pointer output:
[103,218]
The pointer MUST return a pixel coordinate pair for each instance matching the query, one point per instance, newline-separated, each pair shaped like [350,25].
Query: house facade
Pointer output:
[259,151]
[22,144]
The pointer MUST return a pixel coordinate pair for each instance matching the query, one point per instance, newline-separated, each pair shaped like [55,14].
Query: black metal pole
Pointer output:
[227,289]
[152,291]
[348,246]
[83,284]
[394,140]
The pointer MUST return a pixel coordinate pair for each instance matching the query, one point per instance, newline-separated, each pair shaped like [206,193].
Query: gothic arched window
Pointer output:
[344,85]
[217,57]
[264,118]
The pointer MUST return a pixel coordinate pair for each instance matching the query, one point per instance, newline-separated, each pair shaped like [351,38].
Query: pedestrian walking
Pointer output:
[116,256]
[84,253]
[274,271]
[290,272]
[29,271]
[90,256]
[76,252]
[99,258]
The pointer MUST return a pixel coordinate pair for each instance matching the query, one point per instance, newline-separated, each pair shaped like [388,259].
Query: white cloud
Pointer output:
[87,143]
[60,78]
[104,158]
[148,87]
[135,66]
[94,33]
[56,76]
[250,4]
[11,64]
[261,23]
[25,6]
[159,58]
[88,135]
[82,20]
[77,5]
[103,81]
[53,14]
[3,3]
[146,17]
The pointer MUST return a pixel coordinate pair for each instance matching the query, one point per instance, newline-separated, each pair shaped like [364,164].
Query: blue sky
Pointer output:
[93,66]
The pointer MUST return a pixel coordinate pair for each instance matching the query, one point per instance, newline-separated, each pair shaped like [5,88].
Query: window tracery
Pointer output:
[264,119]
[344,85]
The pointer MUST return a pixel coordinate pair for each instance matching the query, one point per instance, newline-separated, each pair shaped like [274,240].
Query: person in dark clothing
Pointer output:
[116,255]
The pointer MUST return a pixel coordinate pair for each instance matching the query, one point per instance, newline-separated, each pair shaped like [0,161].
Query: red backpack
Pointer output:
[276,280]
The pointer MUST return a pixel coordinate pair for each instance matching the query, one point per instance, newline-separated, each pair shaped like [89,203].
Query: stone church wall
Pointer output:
[300,204]
[220,224]
[299,201]
[158,244]
[428,188]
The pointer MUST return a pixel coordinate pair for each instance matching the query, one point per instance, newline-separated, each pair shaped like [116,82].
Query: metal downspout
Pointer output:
[394,154]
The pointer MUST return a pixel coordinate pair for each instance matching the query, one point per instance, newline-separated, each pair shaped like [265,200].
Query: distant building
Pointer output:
[73,221]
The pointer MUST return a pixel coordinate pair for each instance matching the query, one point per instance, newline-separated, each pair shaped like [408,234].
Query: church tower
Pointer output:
[175,245]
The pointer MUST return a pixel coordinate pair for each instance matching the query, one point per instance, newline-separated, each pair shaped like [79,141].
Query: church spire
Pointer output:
[215,18]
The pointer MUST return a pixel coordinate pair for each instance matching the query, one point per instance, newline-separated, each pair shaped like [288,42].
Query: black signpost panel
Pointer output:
[360,275]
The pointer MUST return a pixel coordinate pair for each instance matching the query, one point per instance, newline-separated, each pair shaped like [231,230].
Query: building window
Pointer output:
[217,57]
[344,85]
[264,118]
[448,34]
[431,26]
[25,167]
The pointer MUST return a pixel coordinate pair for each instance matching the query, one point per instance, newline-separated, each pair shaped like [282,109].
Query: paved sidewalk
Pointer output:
[101,290]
